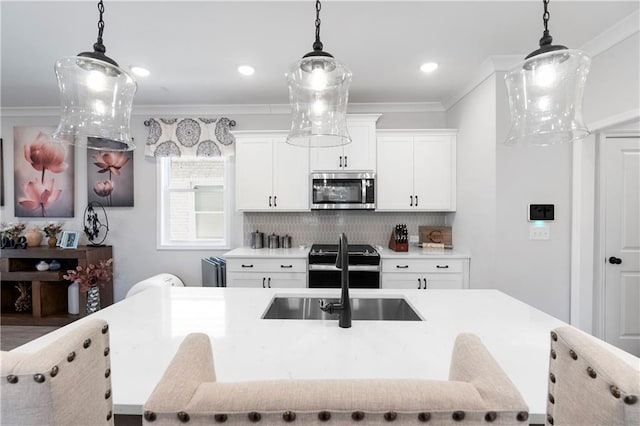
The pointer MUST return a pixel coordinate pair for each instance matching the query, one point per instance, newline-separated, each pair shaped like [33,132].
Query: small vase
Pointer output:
[34,238]
[53,242]
[73,298]
[93,300]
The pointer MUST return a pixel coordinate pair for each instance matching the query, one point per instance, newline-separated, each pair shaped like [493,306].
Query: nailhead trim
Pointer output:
[357,416]
[107,394]
[12,379]
[150,416]
[71,356]
[390,416]
[549,419]
[254,417]
[522,416]
[630,399]
[458,416]
[552,377]
[107,373]
[109,415]
[491,416]
[54,371]
[615,391]
[288,416]
[554,336]
[105,328]
[39,378]
[183,417]
[424,417]
[573,354]
[86,343]
[553,353]
[552,399]
[591,372]
[324,416]
[220,418]
[106,351]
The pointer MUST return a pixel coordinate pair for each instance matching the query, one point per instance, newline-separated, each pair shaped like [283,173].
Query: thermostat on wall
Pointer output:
[544,212]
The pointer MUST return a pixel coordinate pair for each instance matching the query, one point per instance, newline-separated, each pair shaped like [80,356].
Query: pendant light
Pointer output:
[545,94]
[96,97]
[318,92]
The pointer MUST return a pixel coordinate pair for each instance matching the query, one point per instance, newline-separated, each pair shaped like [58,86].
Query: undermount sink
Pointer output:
[362,309]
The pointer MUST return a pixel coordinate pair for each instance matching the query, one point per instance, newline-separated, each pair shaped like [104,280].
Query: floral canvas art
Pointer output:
[110,178]
[44,174]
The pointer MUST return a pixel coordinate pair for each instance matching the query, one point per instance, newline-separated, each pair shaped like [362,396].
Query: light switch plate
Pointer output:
[539,232]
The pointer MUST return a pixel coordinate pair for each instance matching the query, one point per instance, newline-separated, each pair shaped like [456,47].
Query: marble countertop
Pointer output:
[418,252]
[303,252]
[147,329]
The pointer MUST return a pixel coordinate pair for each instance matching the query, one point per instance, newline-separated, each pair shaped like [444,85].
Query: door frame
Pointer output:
[587,222]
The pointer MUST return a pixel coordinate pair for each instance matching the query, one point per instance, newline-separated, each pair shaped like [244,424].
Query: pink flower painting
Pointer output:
[44,174]
[110,178]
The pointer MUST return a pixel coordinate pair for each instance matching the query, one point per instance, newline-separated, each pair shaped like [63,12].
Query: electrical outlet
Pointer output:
[539,232]
[413,239]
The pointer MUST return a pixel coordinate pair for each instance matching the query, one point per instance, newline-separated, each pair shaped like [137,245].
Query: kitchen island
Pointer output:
[146,330]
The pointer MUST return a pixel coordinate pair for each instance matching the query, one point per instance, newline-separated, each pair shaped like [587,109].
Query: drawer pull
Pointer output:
[425,283]
[402,266]
[419,284]
[269,283]
[263,278]
[442,267]
[286,266]
[247,266]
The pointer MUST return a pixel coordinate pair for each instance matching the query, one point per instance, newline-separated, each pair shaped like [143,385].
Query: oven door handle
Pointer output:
[372,268]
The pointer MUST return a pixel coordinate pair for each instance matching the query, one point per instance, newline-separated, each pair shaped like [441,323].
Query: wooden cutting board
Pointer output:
[435,234]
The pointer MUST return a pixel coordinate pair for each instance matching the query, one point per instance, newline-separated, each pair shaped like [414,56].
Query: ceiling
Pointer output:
[193,49]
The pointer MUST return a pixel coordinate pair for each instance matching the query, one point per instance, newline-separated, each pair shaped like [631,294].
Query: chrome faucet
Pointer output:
[343,309]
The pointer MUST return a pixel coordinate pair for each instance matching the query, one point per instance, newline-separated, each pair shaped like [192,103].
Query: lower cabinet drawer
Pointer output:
[267,280]
[422,281]
[267,265]
[423,265]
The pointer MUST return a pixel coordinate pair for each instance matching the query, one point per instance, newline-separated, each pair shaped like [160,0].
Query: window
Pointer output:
[193,203]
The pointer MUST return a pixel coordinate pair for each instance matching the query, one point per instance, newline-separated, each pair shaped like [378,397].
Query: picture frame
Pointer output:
[69,240]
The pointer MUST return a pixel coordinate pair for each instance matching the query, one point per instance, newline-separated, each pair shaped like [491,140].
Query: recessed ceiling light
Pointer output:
[429,67]
[246,70]
[140,71]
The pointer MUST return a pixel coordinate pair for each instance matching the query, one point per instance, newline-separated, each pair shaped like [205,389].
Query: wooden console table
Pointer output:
[48,288]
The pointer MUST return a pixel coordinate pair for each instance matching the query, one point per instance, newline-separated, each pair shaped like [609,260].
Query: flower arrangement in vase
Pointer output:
[11,235]
[51,230]
[90,279]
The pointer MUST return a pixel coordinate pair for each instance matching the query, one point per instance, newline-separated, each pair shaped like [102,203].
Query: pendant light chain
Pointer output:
[99,46]
[317,45]
[546,37]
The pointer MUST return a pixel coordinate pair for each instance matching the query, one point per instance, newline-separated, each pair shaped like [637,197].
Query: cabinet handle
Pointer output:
[425,283]
[419,284]
[269,200]
[442,266]
[411,203]
[286,266]
[269,282]
[275,202]
[416,201]
[247,266]
[263,278]
[402,266]
[341,161]
[345,161]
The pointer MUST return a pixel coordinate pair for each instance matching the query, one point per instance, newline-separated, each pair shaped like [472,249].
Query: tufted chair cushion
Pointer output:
[478,392]
[66,383]
[588,385]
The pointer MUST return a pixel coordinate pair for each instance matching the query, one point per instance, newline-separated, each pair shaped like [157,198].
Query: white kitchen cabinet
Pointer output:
[416,170]
[271,174]
[358,155]
[267,273]
[423,274]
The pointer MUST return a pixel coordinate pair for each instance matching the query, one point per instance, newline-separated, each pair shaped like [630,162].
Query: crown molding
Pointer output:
[614,35]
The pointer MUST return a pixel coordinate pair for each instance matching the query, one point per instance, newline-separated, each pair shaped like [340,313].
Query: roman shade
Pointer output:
[190,137]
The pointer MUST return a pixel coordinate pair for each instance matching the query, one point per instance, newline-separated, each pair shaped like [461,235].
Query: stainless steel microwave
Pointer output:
[345,190]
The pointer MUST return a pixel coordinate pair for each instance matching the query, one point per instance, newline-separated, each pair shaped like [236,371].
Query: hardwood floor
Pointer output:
[12,336]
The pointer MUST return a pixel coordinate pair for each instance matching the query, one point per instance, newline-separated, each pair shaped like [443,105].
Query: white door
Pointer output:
[444,281]
[622,243]
[254,173]
[434,174]
[402,281]
[360,153]
[290,176]
[327,159]
[394,178]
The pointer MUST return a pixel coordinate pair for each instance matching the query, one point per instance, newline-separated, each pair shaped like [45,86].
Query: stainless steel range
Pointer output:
[364,266]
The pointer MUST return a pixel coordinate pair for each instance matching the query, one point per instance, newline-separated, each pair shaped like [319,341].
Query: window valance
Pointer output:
[190,137]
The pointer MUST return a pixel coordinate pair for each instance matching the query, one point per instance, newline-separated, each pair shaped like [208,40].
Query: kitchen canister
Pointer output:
[256,240]
[274,241]
[285,241]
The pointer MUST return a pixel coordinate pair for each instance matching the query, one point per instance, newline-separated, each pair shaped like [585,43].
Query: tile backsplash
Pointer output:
[363,227]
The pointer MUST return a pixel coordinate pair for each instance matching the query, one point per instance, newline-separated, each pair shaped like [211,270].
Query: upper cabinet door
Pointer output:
[434,172]
[254,173]
[291,184]
[394,178]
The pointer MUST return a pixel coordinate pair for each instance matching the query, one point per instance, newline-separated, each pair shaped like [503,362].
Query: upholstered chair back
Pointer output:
[589,385]
[67,383]
[477,393]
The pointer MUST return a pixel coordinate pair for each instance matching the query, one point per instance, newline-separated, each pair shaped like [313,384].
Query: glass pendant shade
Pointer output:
[545,97]
[96,100]
[318,92]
